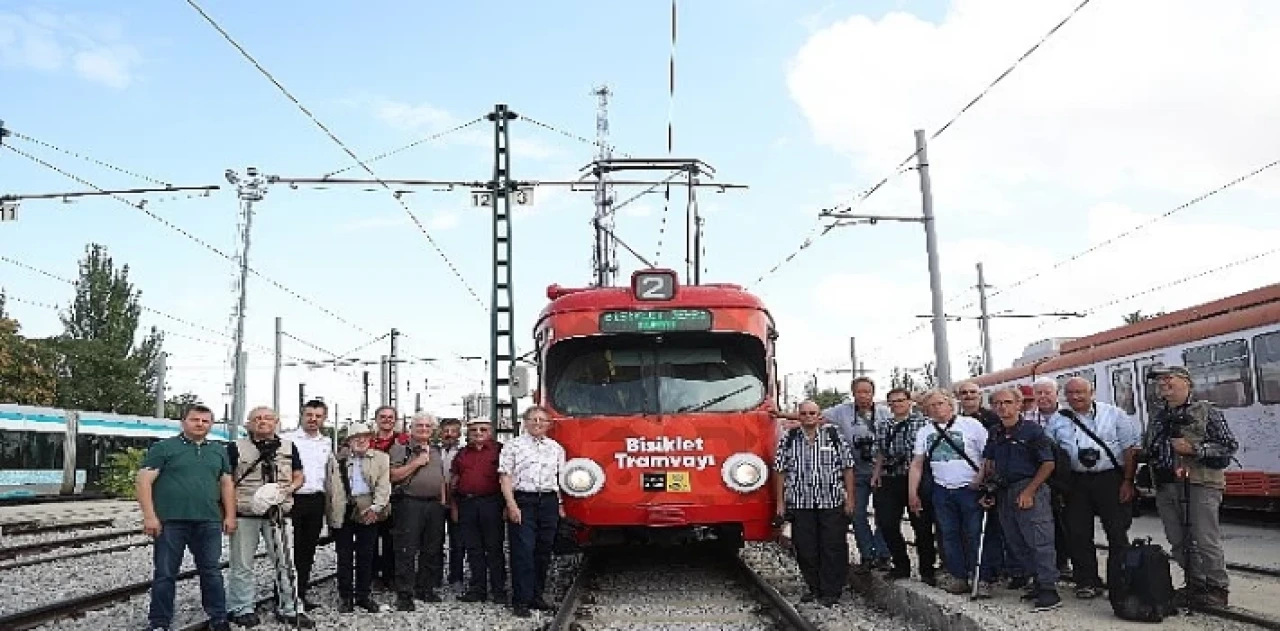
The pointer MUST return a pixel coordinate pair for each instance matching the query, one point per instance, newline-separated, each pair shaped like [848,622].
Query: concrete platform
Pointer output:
[63,512]
[936,609]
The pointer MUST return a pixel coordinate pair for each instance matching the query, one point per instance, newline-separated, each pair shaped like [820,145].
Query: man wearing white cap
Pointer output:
[358,489]
[267,470]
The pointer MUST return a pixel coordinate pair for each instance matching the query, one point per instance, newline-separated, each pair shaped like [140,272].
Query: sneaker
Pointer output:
[1030,592]
[457,587]
[883,564]
[404,602]
[346,605]
[1088,592]
[472,597]
[366,603]
[521,611]
[1047,600]
[427,595]
[1019,582]
[244,619]
[500,598]
[929,578]
[299,621]
[539,604]
[829,601]
[898,571]
[953,585]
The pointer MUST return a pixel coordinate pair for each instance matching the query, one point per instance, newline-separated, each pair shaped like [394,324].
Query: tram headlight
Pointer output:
[581,477]
[744,472]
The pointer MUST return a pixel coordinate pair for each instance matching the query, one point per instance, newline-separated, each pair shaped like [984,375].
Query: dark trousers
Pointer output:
[891,502]
[820,539]
[356,545]
[308,518]
[419,538]
[204,539]
[384,565]
[457,552]
[1061,542]
[1095,495]
[1028,533]
[531,542]
[480,519]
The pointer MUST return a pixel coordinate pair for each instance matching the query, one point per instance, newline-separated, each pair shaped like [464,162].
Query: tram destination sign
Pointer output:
[655,321]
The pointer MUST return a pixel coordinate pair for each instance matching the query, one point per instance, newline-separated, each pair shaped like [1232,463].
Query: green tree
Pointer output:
[174,406]
[27,367]
[102,365]
[829,397]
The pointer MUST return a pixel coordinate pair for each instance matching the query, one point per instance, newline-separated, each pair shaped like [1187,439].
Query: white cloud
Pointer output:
[1129,106]
[92,48]
[423,117]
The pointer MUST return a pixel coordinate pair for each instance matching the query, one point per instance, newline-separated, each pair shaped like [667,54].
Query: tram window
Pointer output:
[10,449]
[1266,353]
[1122,390]
[1153,401]
[1220,373]
[626,375]
[1086,374]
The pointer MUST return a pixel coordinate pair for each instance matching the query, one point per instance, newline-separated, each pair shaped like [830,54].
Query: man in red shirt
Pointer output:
[384,565]
[475,499]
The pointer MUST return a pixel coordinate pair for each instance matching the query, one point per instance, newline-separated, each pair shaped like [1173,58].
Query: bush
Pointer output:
[121,472]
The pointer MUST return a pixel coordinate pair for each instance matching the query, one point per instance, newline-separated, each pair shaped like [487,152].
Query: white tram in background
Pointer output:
[1232,349]
[42,453]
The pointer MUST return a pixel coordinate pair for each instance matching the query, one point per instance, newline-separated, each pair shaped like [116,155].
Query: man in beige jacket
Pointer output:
[358,488]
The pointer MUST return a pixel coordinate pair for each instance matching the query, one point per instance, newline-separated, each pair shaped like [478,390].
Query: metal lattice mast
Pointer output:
[605,255]
[250,190]
[502,342]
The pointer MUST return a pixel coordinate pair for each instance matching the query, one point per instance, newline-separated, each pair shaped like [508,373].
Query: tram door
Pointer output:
[1148,389]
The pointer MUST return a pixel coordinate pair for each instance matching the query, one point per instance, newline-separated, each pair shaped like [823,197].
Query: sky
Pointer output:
[1065,180]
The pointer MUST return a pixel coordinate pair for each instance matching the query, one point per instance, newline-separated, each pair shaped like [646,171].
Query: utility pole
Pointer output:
[393,372]
[161,368]
[941,353]
[984,324]
[302,400]
[250,191]
[364,398]
[604,257]
[853,357]
[417,402]
[385,382]
[275,383]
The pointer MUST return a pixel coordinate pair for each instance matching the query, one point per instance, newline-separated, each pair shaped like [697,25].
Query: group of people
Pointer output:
[388,498]
[975,478]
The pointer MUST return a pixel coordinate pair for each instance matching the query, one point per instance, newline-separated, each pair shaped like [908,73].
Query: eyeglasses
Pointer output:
[892,401]
[809,413]
[1006,402]
[970,392]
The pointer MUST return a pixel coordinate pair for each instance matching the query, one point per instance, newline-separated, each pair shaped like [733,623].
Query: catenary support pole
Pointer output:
[275,375]
[984,324]
[942,354]
[161,368]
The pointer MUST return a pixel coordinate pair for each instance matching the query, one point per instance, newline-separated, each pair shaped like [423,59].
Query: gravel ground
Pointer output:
[779,569]
[132,614]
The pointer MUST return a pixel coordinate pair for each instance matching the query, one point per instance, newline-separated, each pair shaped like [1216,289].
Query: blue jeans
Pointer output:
[531,542]
[204,539]
[960,524]
[871,545]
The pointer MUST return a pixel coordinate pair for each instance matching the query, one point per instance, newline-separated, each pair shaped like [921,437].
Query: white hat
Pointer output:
[479,420]
[266,497]
[358,428]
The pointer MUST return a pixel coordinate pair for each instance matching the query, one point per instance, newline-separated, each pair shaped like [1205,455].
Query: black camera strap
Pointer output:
[1069,413]
[942,433]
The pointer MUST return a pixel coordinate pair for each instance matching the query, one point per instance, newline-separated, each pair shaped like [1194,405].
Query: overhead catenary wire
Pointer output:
[107,165]
[201,242]
[671,112]
[902,167]
[388,154]
[573,136]
[361,163]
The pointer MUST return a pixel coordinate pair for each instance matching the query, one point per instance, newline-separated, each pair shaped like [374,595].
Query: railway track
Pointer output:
[40,528]
[18,551]
[705,589]
[73,607]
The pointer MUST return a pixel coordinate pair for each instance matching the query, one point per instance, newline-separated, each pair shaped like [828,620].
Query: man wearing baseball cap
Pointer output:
[359,497]
[1187,446]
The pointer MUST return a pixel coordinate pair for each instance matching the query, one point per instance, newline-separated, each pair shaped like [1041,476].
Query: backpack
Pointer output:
[1060,479]
[1140,585]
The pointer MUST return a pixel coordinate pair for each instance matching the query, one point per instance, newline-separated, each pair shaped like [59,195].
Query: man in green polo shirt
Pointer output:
[188,500]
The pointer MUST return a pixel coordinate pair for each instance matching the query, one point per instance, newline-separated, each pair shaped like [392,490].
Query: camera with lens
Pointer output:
[1088,457]
[864,445]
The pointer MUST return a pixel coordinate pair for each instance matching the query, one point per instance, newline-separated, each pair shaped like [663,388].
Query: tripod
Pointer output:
[280,540]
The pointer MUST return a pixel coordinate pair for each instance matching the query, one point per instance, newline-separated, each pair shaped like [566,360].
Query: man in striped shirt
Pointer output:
[895,442]
[815,486]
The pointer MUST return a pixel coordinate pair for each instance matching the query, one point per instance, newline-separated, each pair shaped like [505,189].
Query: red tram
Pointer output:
[661,396]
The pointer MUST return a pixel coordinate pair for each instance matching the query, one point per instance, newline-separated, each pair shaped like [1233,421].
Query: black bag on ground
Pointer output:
[1140,585]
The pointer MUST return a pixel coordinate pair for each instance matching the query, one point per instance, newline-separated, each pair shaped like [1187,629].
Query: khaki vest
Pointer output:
[1194,432]
[248,474]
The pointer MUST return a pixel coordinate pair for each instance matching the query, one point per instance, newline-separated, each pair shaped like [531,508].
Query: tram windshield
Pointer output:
[646,374]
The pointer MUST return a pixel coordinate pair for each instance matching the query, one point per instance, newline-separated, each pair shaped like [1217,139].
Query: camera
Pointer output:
[864,445]
[1088,457]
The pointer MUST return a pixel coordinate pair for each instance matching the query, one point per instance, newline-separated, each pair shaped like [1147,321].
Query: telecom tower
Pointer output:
[604,259]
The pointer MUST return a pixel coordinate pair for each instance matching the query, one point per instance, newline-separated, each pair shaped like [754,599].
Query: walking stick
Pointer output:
[982,542]
[1189,546]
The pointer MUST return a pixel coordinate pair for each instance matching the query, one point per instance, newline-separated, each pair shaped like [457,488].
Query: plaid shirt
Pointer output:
[896,446]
